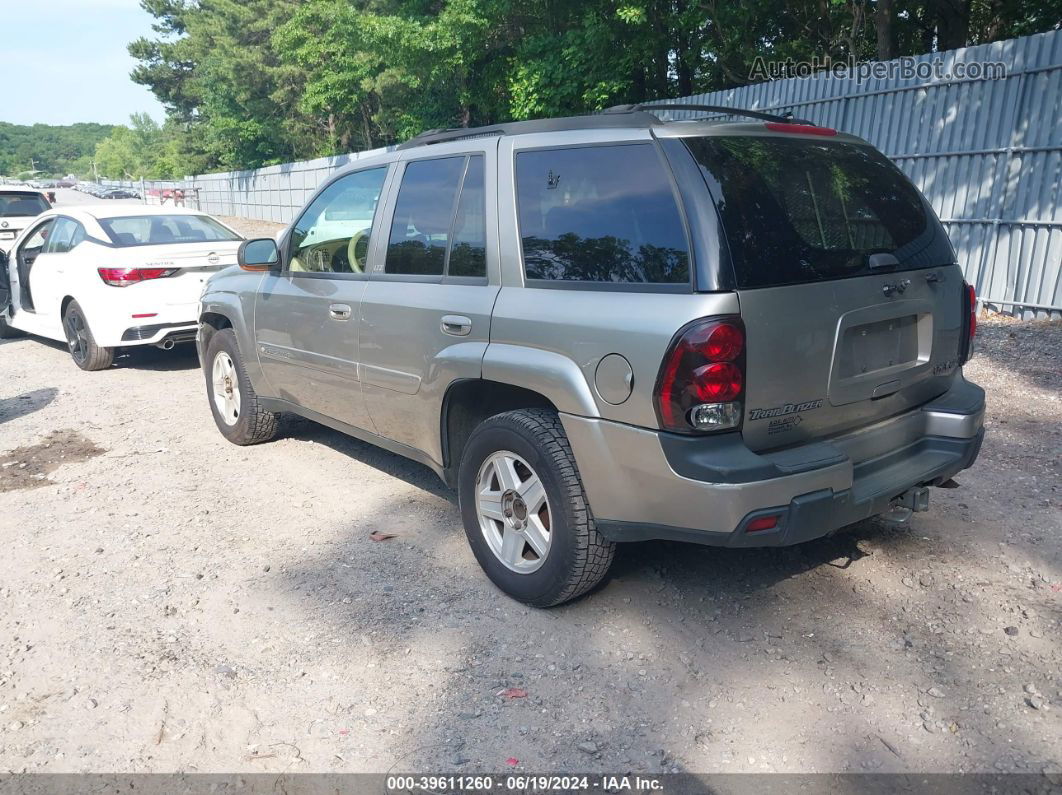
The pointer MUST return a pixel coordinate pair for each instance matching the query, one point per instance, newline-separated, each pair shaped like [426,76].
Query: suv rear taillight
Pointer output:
[969,305]
[701,384]
[123,277]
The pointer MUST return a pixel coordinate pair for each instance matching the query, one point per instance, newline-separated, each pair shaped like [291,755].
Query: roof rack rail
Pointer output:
[450,134]
[786,118]
[618,116]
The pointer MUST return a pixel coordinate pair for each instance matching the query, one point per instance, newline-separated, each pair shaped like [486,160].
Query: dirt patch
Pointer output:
[29,467]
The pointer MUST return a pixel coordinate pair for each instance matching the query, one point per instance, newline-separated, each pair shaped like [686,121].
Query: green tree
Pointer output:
[251,82]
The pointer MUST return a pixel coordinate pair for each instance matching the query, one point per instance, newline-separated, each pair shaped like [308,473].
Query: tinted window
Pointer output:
[420,230]
[65,235]
[468,251]
[802,211]
[332,235]
[600,214]
[16,204]
[153,230]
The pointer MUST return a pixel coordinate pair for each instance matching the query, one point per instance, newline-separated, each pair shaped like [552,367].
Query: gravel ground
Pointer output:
[171,602]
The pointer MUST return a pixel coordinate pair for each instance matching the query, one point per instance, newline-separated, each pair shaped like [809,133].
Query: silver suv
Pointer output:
[615,328]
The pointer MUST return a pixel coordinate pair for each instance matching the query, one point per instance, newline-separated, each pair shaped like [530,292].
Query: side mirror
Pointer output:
[260,254]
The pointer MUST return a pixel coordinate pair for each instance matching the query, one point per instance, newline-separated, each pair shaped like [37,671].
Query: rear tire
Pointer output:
[233,401]
[83,348]
[556,554]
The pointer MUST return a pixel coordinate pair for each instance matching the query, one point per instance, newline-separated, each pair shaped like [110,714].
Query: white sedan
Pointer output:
[105,277]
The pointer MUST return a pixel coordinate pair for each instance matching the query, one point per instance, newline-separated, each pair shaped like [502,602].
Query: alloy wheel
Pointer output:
[226,388]
[76,336]
[513,512]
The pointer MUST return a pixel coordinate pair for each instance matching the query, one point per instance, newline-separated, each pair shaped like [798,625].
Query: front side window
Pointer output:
[602,214]
[40,235]
[333,234]
[154,230]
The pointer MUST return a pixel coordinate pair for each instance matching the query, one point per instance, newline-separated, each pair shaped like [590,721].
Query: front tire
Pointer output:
[525,511]
[83,348]
[233,401]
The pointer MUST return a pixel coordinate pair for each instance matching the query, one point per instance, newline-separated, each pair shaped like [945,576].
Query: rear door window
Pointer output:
[468,248]
[797,211]
[420,231]
[602,214]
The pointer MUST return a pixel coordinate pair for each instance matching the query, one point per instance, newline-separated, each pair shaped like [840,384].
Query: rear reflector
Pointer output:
[969,299]
[146,314]
[801,129]
[123,277]
[761,523]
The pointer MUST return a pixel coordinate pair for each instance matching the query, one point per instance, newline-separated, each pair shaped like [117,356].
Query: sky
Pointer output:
[65,61]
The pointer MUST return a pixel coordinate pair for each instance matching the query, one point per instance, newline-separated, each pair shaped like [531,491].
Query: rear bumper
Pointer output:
[118,328]
[643,484]
[160,333]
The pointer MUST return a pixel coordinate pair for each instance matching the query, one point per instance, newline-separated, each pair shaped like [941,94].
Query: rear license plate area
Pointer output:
[879,345]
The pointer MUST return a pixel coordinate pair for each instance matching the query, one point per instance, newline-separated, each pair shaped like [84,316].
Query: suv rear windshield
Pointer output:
[151,230]
[16,204]
[798,211]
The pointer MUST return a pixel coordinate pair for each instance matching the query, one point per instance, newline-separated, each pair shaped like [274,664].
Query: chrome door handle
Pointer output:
[457,325]
[339,312]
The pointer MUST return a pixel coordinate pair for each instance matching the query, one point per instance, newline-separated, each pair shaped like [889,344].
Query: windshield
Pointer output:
[149,230]
[29,203]
[798,211]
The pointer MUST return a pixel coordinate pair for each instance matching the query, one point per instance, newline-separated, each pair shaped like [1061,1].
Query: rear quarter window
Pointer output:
[600,214]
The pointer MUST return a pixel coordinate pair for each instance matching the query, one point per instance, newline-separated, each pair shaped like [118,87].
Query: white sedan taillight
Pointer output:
[123,277]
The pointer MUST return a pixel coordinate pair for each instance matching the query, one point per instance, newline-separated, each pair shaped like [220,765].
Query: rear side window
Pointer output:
[439,226]
[600,214]
[13,205]
[797,211]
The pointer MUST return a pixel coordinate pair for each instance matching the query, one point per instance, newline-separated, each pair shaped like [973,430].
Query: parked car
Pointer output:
[615,328]
[18,207]
[120,193]
[108,277]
